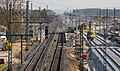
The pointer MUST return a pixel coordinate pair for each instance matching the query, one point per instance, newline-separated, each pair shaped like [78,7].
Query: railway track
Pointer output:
[110,61]
[39,63]
[101,53]
[114,50]
[117,50]
[31,64]
[56,60]
[106,60]
[43,60]
[108,44]
[49,64]
[33,51]
[54,55]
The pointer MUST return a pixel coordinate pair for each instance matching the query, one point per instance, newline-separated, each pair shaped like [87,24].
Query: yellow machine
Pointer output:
[90,35]
[6,45]
[93,35]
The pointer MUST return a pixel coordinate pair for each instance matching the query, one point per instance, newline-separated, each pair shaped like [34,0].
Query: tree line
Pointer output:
[96,12]
[17,14]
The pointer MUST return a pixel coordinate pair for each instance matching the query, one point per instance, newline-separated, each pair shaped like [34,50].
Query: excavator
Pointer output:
[4,44]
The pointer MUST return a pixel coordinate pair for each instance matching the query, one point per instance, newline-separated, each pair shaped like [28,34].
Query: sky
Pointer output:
[75,4]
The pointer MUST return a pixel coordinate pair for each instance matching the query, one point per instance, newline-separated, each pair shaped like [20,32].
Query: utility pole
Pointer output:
[31,18]
[105,37]
[31,7]
[114,17]
[99,20]
[40,25]
[89,39]
[81,48]
[71,18]
[31,10]
[27,25]
[9,39]
[90,26]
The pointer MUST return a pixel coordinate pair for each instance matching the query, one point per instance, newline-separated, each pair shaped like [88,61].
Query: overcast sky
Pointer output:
[75,4]
[63,4]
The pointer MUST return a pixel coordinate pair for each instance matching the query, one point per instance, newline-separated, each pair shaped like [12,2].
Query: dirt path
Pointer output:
[69,60]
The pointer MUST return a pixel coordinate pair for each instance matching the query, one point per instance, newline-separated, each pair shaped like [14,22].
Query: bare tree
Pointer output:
[16,13]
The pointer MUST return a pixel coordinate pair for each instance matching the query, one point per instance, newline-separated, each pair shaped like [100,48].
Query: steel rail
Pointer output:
[90,43]
[54,55]
[39,49]
[116,65]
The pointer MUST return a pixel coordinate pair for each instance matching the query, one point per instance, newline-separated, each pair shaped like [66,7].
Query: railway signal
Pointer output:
[46,32]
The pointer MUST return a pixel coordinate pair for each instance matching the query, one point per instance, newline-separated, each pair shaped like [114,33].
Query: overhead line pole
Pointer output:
[31,16]
[9,39]
[99,20]
[81,68]
[90,39]
[82,48]
[105,37]
[31,8]
[20,19]
[10,31]
[9,36]
[31,11]
[114,17]
[27,25]
[40,25]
